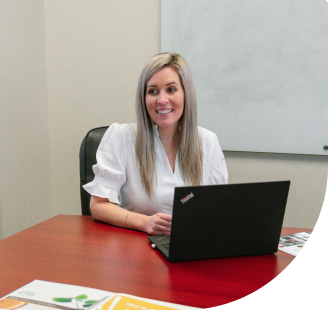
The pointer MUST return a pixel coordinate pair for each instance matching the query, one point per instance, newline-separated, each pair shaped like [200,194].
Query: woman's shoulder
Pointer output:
[118,135]
[209,139]
[206,134]
[118,131]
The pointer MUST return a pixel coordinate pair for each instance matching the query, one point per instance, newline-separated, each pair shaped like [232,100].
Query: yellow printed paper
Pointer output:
[120,302]
[8,303]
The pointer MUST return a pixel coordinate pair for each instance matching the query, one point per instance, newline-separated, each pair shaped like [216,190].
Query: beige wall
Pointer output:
[25,179]
[71,65]
[95,52]
[308,176]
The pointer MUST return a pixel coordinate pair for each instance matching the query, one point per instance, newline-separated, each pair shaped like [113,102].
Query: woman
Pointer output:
[138,166]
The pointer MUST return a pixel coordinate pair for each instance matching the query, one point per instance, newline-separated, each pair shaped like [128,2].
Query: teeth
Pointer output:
[164,111]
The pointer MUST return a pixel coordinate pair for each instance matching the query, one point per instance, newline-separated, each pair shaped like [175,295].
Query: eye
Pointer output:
[172,89]
[152,91]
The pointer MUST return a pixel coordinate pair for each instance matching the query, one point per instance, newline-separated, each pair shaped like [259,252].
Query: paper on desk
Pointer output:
[40,295]
[293,244]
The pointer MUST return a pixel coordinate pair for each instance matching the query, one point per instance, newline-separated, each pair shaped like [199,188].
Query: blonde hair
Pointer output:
[190,145]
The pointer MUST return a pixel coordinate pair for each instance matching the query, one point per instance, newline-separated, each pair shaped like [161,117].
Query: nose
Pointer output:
[162,98]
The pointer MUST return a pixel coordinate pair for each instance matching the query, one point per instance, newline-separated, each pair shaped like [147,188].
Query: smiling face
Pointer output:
[165,98]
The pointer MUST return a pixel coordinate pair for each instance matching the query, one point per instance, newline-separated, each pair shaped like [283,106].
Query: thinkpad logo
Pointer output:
[188,197]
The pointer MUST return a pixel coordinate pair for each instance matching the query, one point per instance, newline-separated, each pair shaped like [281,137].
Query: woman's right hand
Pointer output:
[159,224]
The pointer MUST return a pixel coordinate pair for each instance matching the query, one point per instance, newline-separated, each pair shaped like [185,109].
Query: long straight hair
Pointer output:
[190,145]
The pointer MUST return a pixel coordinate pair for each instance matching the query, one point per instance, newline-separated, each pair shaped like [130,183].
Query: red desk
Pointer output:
[76,250]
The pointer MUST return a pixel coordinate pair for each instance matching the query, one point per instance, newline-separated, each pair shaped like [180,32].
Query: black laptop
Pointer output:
[224,221]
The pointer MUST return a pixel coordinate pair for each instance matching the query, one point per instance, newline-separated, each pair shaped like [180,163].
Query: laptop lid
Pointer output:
[226,220]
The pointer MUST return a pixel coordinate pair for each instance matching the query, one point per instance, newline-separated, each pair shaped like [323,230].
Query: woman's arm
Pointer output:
[105,211]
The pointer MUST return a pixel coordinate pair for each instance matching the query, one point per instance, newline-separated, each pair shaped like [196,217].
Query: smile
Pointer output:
[164,111]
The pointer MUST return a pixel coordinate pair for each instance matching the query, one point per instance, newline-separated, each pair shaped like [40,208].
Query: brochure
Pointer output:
[43,295]
[293,244]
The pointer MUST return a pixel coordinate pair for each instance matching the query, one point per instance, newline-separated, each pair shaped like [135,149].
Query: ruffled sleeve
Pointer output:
[110,170]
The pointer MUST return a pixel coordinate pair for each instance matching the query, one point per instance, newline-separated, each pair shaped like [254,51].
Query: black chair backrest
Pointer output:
[87,156]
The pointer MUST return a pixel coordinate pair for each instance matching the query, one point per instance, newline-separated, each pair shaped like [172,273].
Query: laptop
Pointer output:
[215,221]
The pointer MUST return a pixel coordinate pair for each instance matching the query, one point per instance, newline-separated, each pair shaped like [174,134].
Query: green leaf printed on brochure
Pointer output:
[80,300]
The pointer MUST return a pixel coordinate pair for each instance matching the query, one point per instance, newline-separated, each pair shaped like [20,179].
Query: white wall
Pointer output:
[261,66]
[70,65]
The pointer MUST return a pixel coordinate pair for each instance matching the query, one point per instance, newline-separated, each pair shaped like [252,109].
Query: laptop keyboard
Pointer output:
[166,244]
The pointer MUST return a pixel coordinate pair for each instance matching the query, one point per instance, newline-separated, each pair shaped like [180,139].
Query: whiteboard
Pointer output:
[260,69]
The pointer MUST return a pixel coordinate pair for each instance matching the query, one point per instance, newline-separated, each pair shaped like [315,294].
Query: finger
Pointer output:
[161,232]
[163,223]
[164,229]
[166,217]
[162,226]
[163,219]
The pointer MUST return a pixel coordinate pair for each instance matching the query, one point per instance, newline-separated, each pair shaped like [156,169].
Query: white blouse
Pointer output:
[117,174]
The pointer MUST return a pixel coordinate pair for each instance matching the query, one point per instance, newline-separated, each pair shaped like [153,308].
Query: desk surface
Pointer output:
[76,250]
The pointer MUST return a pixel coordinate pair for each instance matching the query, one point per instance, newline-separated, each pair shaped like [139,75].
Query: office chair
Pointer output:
[87,157]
